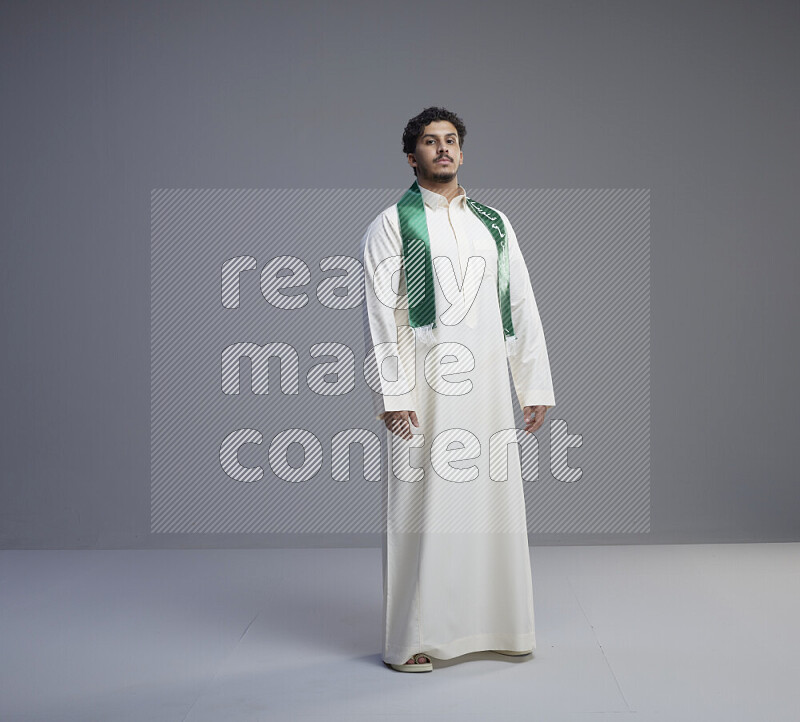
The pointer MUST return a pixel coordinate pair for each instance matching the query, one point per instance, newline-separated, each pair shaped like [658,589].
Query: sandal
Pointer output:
[417,666]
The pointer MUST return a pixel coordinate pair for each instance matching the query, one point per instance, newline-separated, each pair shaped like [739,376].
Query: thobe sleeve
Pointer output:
[381,319]
[530,366]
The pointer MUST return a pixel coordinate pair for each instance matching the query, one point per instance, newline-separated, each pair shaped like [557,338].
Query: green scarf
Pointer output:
[419,267]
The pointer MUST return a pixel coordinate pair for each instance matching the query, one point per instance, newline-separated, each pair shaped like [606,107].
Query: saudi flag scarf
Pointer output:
[419,268]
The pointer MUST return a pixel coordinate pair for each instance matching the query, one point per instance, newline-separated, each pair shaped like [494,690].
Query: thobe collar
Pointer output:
[437,200]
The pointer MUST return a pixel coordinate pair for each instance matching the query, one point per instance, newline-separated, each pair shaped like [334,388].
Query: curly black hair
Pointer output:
[417,124]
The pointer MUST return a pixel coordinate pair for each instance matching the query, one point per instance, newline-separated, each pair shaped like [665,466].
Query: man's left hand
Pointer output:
[534,417]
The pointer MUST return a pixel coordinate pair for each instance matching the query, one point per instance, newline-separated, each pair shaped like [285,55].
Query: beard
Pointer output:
[443,175]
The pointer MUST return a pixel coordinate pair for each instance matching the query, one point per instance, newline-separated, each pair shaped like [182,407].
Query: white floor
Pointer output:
[669,633]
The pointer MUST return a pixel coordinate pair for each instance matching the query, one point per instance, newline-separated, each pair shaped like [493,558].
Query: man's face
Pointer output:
[438,155]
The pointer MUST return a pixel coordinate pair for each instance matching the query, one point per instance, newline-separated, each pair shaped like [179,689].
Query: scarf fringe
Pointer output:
[424,335]
[511,345]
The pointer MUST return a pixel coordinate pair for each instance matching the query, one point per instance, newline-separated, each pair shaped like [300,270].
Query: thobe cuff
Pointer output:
[537,397]
[401,402]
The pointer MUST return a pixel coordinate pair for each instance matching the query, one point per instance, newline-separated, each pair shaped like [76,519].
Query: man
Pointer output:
[449,301]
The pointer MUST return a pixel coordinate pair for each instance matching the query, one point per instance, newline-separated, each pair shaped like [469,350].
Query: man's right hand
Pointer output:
[397,422]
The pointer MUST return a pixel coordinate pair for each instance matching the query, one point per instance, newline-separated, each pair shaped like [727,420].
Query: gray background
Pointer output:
[103,102]
[589,254]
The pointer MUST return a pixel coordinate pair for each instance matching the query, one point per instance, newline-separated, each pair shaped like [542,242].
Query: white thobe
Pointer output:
[456,564]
